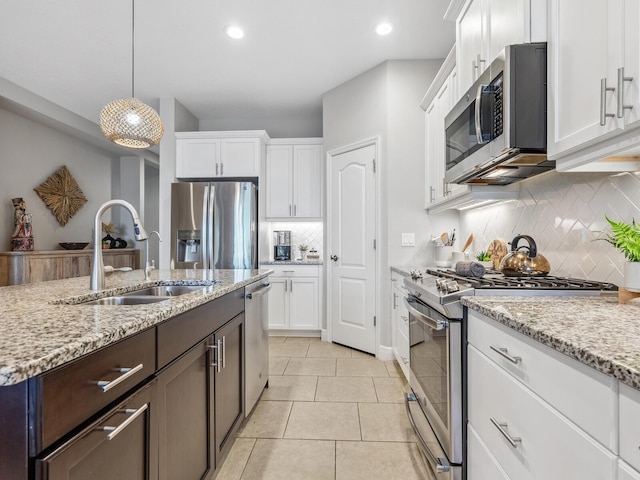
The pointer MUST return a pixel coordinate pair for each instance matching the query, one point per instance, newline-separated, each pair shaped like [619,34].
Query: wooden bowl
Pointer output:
[73,245]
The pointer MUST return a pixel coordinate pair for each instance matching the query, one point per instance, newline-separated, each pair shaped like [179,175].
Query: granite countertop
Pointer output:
[292,262]
[597,331]
[42,330]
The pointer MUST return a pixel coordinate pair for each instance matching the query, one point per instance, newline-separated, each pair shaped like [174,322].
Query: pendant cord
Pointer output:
[133,47]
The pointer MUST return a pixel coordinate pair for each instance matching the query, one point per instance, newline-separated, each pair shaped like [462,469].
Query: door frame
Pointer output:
[327,333]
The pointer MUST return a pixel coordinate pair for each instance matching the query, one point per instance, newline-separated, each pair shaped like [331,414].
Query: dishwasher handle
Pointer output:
[259,292]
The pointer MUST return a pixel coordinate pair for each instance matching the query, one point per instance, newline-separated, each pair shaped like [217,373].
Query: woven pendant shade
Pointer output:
[131,123]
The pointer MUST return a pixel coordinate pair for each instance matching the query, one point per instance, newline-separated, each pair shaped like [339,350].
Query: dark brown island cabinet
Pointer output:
[164,403]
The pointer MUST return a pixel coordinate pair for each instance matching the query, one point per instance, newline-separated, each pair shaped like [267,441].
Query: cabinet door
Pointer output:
[436,144]
[471,31]
[506,26]
[229,381]
[625,472]
[279,303]
[240,157]
[629,402]
[185,412]
[481,465]
[631,89]
[307,181]
[581,54]
[197,158]
[279,175]
[303,304]
[121,444]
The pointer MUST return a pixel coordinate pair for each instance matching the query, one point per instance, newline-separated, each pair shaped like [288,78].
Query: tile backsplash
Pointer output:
[301,232]
[565,215]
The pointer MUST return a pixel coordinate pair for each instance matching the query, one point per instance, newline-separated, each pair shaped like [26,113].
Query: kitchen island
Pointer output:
[166,378]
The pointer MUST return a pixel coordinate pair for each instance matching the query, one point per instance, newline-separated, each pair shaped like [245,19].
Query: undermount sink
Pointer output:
[166,290]
[126,300]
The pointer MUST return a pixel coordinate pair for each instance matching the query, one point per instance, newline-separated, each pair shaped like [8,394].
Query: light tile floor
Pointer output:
[331,413]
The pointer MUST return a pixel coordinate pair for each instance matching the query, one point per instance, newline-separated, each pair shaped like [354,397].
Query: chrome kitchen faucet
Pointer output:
[97,270]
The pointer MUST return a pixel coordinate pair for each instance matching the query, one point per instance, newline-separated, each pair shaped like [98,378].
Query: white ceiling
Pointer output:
[77,53]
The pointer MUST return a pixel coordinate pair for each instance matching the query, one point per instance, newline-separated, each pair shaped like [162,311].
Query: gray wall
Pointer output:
[384,102]
[278,126]
[29,154]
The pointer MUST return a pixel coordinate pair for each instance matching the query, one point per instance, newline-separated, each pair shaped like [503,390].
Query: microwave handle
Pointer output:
[478,116]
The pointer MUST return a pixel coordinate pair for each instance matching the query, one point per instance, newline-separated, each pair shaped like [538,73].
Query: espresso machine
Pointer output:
[281,245]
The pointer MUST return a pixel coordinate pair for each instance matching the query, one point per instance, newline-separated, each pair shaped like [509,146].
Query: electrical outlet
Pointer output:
[408,239]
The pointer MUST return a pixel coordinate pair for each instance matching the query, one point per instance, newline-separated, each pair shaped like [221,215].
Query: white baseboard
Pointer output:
[385,353]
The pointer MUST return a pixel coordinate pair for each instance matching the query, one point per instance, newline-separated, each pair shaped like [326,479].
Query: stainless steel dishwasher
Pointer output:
[256,342]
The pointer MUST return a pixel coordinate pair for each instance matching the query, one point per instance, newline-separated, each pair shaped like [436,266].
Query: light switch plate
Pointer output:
[408,239]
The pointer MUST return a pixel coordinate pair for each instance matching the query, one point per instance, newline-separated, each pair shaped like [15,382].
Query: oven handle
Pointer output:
[428,321]
[442,465]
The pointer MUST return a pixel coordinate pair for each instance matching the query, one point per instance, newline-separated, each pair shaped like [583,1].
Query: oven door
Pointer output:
[436,377]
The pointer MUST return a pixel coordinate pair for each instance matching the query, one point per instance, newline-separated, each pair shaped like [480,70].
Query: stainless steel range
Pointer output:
[437,339]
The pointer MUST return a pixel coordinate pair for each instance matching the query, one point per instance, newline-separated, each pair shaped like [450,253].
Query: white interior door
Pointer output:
[353,266]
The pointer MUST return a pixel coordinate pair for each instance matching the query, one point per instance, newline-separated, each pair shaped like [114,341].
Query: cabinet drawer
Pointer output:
[481,465]
[549,446]
[630,425]
[584,395]
[625,472]
[71,393]
[179,334]
[294,270]
[121,444]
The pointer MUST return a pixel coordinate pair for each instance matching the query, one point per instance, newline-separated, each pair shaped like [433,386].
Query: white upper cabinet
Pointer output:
[219,154]
[485,27]
[594,75]
[294,179]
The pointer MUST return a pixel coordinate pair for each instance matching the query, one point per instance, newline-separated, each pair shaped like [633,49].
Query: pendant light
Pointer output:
[128,121]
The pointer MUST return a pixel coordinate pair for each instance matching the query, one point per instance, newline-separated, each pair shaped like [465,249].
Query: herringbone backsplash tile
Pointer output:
[565,214]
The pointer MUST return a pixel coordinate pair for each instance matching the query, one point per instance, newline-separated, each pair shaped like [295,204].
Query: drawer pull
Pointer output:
[405,318]
[502,427]
[217,348]
[107,385]
[114,431]
[505,353]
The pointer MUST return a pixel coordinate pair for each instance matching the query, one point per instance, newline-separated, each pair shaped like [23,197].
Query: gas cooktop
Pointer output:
[441,289]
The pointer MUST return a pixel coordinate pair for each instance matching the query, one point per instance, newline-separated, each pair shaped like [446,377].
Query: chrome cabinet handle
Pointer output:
[432,194]
[474,70]
[221,168]
[395,301]
[603,101]
[114,431]
[621,79]
[107,385]
[502,428]
[505,353]
[291,286]
[224,351]
[216,168]
[405,318]
[295,210]
[290,211]
[217,347]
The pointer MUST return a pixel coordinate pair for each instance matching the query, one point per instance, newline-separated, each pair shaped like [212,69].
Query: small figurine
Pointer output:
[22,238]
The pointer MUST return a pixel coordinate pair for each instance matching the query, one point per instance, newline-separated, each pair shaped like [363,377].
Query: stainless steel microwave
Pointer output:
[497,133]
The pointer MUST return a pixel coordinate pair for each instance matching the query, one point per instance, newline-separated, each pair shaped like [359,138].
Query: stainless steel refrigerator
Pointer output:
[214,225]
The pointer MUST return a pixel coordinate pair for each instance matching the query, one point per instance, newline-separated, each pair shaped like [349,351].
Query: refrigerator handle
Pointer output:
[210,221]
[204,238]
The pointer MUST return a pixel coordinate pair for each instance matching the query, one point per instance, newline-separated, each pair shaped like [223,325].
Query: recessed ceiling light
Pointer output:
[233,31]
[384,28]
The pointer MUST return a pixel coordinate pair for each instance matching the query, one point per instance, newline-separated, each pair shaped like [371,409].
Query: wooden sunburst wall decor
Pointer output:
[62,195]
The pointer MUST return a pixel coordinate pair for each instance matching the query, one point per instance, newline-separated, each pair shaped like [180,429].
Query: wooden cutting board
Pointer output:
[497,250]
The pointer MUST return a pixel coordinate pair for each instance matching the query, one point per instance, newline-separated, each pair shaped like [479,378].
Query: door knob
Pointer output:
[334,258]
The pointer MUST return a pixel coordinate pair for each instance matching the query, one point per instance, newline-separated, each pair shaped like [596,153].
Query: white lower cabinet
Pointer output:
[399,322]
[528,438]
[626,472]
[630,426]
[480,463]
[294,300]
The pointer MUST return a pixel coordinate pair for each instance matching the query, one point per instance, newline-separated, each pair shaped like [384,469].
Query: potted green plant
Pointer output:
[626,238]
[303,247]
[484,258]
